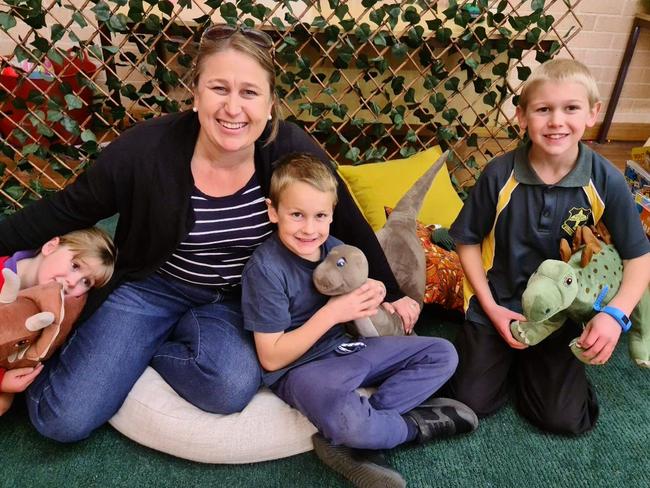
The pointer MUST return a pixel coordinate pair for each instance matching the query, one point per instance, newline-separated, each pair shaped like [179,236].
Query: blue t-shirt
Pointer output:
[278,295]
[519,220]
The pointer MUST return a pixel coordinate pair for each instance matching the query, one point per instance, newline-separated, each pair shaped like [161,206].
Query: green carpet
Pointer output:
[504,452]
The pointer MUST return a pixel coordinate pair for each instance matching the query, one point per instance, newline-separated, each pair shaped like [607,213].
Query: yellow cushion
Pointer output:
[378,185]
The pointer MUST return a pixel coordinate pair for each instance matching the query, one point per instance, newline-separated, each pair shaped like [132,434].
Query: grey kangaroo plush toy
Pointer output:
[346,267]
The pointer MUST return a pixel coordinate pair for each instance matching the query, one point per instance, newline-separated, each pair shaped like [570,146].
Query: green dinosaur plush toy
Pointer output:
[559,290]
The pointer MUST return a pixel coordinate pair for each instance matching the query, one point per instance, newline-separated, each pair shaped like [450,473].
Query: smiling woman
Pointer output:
[190,192]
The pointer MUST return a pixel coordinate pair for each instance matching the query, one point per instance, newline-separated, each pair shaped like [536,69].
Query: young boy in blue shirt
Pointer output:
[522,205]
[299,333]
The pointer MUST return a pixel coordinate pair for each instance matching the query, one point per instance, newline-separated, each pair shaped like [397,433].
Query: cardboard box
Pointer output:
[641,156]
[643,204]
[638,179]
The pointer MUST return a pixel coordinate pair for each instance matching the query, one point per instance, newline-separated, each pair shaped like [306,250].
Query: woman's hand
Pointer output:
[408,310]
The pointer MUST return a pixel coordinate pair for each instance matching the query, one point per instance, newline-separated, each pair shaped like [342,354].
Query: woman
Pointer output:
[189,189]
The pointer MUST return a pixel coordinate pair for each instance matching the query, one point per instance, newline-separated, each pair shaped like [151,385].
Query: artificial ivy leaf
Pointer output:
[411,136]
[7,21]
[538,4]
[341,11]
[523,72]
[505,32]
[377,16]
[411,15]
[532,35]
[118,22]
[399,50]
[73,102]
[54,115]
[438,101]
[393,16]
[379,39]
[452,83]
[397,84]
[450,115]
[490,99]
[472,140]
[443,35]
[500,69]
[54,56]
[363,33]
[352,154]
[152,23]
[44,130]
[368,3]
[88,135]
[407,151]
[409,97]
[102,12]
[445,133]
[36,97]
[340,110]
[545,22]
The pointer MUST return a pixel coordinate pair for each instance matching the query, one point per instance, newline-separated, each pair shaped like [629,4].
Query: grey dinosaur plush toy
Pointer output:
[399,240]
[346,267]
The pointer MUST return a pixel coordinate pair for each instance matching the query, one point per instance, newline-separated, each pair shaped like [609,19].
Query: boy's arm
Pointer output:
[470,259]
[601,334]
[276,350]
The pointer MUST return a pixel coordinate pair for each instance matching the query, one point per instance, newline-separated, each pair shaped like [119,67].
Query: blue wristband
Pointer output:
[617,314]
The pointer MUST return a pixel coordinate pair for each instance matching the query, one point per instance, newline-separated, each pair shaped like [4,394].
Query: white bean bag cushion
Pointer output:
[154,415]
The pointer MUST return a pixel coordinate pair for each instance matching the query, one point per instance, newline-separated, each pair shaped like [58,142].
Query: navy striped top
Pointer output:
[226,232]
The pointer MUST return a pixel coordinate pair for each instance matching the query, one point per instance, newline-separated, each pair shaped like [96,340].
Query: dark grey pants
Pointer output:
[405,370]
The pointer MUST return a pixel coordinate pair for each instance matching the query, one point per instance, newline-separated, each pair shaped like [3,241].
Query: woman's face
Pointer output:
[234,101]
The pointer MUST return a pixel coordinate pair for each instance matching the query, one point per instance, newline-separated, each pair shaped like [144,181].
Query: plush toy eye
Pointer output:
[21,343]
[568,280]
[341,262]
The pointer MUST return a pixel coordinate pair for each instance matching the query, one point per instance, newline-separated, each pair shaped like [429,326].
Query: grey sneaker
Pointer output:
[442,417]
[364,468]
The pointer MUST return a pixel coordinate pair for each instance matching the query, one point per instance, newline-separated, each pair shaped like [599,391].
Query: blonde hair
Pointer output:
[560,69]
[305,168]
[238,41]
[92,243]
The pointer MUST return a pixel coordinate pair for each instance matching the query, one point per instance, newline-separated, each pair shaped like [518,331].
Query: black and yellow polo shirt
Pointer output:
[519,220]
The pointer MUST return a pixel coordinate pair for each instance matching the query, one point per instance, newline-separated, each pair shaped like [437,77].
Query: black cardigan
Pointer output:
[145,176]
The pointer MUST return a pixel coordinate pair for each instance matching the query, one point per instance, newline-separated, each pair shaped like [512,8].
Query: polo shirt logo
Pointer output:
[577,216]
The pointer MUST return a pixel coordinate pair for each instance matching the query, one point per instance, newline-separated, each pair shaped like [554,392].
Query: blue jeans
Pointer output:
[192,336]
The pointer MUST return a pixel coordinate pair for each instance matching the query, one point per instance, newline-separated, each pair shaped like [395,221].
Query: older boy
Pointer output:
[79,260]
[309,360]
[523,204]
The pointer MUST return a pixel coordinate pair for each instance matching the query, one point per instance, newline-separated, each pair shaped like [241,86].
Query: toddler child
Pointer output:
[79,261]
[523,203]
[313,365]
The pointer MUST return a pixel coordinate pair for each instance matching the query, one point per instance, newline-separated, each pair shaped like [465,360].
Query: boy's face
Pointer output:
[556,117]
[59,264]
[303,216]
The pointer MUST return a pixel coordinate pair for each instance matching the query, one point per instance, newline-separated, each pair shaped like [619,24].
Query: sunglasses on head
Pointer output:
[224,31]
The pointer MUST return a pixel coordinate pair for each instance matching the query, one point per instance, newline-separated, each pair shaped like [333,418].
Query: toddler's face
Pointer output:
[60,264]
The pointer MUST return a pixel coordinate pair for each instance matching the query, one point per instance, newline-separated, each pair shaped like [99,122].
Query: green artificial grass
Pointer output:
[504,452]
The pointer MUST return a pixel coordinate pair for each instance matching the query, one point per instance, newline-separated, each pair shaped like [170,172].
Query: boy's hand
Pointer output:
[17,380]
[408,310]
[599,338]
[357,304]
[501,318]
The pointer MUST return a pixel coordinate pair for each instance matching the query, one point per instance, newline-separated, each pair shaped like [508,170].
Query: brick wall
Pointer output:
[601,44]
